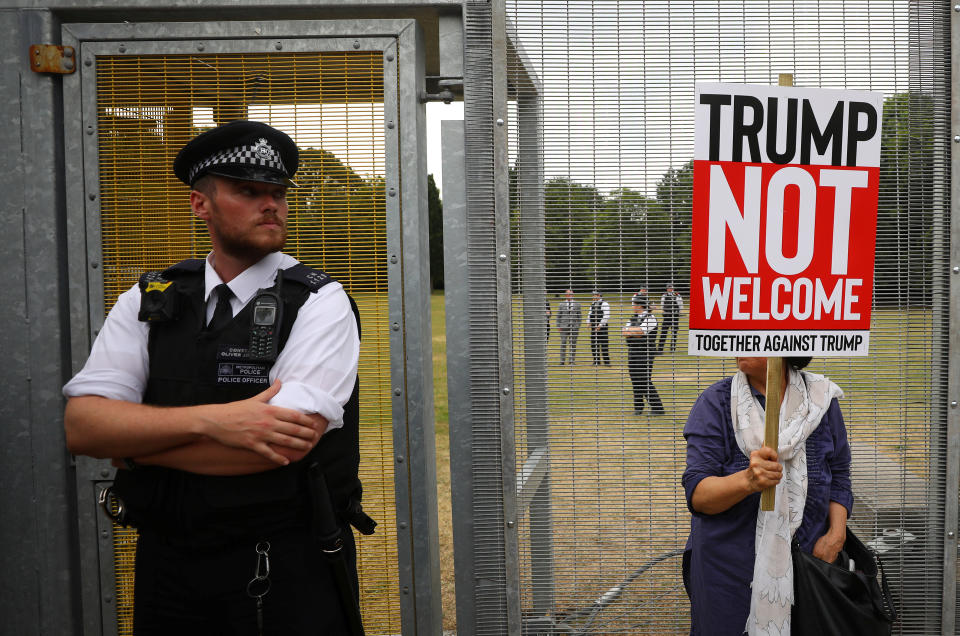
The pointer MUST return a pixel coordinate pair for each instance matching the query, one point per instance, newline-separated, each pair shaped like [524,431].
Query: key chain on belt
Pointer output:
[259,585]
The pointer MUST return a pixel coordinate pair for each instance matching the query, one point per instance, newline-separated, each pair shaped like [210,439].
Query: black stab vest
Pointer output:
[596,312]
[190,365]
[643,346]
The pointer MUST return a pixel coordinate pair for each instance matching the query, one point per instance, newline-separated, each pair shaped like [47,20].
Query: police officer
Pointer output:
[670,304]
[599,321]
[640,333]
[225,390]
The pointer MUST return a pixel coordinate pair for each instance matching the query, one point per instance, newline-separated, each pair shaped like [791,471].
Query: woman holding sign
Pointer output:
[736,566]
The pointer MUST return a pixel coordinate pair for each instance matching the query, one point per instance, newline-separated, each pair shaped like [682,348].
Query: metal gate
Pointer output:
[579,139]
[347,93]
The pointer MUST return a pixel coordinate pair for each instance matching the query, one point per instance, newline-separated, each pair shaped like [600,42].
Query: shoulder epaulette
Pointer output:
[312,279]
[152,278]
[161,278]
[188,265]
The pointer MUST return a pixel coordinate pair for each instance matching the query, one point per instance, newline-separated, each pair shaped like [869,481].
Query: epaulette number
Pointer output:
[159,286]
[315,279]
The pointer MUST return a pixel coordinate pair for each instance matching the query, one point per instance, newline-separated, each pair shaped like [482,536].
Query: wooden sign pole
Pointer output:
[771,434]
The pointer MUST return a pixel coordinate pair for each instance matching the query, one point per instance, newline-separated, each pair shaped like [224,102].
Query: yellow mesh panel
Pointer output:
[331,103]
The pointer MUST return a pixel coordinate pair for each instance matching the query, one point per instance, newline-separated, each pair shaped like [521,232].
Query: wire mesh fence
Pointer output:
[332,105]
[601,150]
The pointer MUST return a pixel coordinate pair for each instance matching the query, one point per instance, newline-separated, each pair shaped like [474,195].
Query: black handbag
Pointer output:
[830,599]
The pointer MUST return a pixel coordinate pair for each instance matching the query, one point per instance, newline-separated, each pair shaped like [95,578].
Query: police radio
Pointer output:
[265,327]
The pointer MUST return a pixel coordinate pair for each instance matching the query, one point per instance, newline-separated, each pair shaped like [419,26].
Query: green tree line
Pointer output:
[619,241]
[625,240]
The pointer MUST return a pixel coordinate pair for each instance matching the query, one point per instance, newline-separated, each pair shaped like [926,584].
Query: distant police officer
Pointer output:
[599,321]
[225,389]
[670,304]
[640,333]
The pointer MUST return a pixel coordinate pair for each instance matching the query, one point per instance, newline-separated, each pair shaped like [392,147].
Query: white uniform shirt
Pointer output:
[675,298]
[604,313]
[648,322]
[317,367]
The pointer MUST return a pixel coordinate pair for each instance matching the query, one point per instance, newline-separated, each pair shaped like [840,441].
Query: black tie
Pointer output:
[223,313]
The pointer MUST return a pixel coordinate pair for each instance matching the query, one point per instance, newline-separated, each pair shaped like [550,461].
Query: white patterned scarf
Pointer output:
[804,404]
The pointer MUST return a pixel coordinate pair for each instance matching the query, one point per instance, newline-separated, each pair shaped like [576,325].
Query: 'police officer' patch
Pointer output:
[242,373]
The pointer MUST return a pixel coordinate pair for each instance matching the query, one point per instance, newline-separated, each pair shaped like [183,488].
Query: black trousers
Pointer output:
[203,591]
[671,325]
[640,366]
[600,345]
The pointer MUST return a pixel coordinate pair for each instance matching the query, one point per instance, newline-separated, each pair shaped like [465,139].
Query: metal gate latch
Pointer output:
[50,58]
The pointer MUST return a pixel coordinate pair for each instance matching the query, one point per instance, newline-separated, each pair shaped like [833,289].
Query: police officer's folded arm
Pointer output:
[208,457]
[318,367]
[101,427]
[633,331]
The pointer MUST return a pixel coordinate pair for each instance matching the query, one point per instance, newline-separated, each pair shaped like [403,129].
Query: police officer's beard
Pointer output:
[242,245]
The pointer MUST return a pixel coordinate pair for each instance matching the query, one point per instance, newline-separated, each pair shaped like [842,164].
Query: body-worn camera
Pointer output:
[159,301]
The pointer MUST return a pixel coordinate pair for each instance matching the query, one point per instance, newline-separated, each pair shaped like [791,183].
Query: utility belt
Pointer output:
[324,530]
[198,511]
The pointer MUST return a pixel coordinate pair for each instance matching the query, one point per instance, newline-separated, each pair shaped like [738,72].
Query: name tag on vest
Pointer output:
[231,352]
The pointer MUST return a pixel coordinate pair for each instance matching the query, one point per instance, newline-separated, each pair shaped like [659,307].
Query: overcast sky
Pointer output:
[618,76]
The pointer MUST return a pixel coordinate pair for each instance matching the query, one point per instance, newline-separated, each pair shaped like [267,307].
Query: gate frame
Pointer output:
[491,492]
[401,41]
[951,522]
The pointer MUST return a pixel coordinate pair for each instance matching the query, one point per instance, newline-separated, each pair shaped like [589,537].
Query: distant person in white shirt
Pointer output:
[671,304]
[599,321]
[640,333]
[225,391]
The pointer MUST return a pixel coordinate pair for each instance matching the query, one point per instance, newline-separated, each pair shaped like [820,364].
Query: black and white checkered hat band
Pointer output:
[260,154]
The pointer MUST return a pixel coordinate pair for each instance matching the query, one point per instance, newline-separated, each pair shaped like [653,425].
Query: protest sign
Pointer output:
[785,188]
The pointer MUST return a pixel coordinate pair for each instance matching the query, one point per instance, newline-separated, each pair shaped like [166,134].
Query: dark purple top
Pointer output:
[718,562]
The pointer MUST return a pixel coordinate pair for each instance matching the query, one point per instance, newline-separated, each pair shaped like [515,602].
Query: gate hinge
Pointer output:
[50,58]
[447,87]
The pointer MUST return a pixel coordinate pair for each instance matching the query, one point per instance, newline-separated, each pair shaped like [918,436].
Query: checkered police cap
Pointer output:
[246,150]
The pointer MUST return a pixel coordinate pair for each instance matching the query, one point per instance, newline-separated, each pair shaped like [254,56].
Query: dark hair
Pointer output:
[205,184]
[798,363]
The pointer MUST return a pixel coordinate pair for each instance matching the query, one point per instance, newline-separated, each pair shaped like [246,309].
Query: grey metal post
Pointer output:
[496,591]
[931,26]
[457,299]
[414,436]
[38,594]
[951,524]
[530,183]
[504,296]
